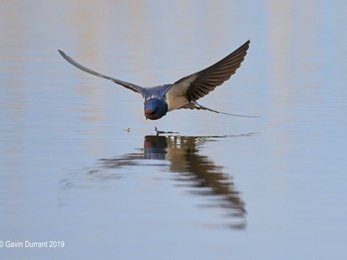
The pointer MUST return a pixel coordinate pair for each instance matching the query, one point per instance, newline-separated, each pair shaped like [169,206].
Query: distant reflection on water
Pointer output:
[196,171]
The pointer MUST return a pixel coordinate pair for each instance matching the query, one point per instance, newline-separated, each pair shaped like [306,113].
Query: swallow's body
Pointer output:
[183,93]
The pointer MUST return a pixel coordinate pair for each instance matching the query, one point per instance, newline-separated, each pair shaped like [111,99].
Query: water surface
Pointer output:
[222,187]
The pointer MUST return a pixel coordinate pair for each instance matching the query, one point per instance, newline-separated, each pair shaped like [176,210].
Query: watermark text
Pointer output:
[32,244]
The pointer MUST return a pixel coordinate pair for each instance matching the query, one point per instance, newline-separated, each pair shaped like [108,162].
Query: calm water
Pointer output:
[223,187]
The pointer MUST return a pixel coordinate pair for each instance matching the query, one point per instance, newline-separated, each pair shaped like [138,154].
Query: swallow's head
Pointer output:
[155,108]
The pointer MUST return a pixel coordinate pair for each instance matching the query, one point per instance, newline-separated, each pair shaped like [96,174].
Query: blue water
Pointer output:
[81,168]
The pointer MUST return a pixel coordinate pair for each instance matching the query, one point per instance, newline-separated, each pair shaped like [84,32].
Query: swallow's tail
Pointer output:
[195,105]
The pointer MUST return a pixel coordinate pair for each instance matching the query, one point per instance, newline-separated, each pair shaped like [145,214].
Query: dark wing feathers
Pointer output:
[208,79]
[125,84]
[190,88]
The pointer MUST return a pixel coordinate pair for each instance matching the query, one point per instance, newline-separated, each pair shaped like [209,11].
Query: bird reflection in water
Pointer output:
[196,171]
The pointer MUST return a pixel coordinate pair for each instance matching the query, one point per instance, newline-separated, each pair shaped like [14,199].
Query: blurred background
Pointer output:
[225,187]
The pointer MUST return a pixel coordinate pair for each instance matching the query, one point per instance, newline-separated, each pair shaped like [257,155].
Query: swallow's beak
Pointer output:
[148,112]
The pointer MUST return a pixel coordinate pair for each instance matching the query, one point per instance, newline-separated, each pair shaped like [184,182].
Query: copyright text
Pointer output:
[32,244]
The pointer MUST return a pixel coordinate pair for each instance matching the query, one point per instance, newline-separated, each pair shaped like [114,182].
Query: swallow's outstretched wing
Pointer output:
[195,86]
[125,84]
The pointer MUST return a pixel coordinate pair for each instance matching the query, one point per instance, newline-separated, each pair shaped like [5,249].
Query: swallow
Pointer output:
[184,93]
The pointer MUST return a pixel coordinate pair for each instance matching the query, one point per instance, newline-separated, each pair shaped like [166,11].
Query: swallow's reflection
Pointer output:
[196,171]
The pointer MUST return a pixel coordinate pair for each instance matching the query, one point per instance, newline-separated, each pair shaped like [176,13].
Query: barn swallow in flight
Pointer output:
[186,91]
